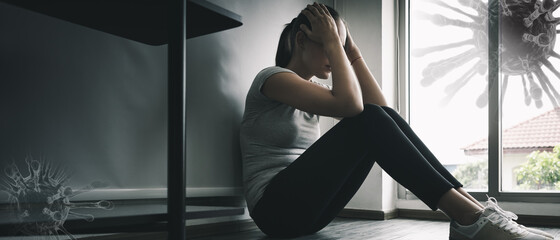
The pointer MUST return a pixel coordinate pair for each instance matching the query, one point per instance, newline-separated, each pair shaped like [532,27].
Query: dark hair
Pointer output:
[288,37]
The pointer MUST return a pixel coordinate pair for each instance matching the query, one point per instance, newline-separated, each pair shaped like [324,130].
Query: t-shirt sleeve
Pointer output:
[263,75]
[261,78]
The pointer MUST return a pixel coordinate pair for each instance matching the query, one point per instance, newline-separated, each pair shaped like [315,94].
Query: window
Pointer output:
[494,124]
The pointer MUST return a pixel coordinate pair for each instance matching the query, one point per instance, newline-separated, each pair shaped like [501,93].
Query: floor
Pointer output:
[340,228]
[352,229]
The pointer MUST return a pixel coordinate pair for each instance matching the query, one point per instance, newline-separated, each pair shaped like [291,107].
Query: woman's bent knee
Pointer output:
[373,110]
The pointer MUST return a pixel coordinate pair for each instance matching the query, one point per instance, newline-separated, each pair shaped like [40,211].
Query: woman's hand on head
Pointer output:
[351,49]
[323,25]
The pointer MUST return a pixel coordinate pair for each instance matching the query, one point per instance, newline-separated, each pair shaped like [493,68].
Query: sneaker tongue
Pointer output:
[489,211]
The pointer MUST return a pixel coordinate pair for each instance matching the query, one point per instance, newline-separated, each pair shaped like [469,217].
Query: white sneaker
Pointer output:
[492,225]
[511,216]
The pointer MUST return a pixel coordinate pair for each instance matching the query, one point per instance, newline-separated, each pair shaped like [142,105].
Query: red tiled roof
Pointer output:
[540,132]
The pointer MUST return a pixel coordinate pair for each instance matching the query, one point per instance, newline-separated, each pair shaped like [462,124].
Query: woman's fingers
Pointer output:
[309,15]
[305,29]
[321,22]
[320,8]
[313,9]
[324,9]
[316,10]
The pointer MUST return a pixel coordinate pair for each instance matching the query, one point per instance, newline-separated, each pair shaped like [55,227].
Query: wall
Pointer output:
[390,84]
[371,24]
[91,103]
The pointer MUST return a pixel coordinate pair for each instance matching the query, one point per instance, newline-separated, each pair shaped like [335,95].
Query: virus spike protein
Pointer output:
[528,35]
[41,202]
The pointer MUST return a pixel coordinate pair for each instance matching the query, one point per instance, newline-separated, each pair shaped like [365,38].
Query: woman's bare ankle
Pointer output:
[464,192]
[459,208]
[469,218]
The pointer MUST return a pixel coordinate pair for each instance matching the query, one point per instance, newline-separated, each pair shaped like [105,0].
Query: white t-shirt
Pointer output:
[272,136]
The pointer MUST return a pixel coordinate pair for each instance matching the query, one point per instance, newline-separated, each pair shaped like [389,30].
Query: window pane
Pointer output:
[448,84]
[530,98]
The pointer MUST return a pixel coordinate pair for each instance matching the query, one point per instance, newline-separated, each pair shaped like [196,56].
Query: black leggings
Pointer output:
[308,194]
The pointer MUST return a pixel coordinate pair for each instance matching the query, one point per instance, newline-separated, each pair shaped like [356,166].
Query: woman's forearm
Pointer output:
[345,83]
[371,91]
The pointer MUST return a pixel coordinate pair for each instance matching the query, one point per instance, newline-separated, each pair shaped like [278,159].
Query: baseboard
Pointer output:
[223,201]
[213,191]
[422,214]
[368,214]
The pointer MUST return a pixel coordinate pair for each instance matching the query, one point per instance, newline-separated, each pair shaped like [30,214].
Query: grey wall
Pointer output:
[88,101]
[366,24]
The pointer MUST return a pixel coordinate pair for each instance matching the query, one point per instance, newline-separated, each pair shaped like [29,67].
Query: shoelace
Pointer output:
[494,204]
[504,219]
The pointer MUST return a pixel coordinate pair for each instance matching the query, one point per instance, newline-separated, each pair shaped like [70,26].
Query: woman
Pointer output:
[297,182]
